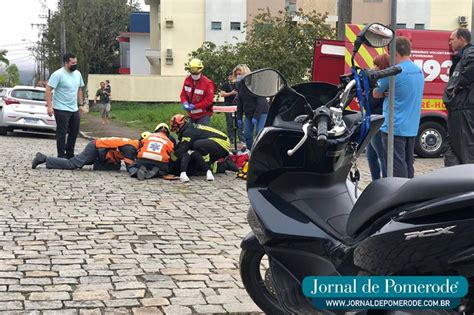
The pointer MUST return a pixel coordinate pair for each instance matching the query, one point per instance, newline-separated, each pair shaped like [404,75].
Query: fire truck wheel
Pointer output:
[431,139]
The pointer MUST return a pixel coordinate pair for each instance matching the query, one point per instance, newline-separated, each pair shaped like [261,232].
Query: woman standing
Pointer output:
[254,108]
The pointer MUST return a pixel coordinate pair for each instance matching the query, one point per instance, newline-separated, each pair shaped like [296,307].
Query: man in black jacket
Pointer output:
[459,100]
[203,143]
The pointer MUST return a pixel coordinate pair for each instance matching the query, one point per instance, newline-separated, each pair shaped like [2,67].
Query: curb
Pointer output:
[85,136]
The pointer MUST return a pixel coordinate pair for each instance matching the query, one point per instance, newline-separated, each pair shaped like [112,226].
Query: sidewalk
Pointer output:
[92,127]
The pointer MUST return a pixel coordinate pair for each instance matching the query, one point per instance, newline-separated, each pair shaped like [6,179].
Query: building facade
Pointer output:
[225,21]
[415,14]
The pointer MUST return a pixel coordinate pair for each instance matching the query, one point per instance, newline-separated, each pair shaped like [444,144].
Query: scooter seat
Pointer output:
[384,195]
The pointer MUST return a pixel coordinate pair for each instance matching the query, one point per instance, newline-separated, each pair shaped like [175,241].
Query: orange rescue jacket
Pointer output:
[156,147]
[113,144]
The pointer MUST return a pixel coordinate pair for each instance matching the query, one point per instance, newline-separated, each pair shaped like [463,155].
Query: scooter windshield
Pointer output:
[289,107]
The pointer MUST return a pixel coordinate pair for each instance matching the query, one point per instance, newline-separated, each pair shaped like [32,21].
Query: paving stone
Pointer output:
[128,294]
[187,301]
[154,301]
[95,311]
[49,296]
[61,312]
[129,285]
[176,309]
[10,296]
[43,305]
[209,309]
[83,304]
[146,311]
[122,302]
[25,288]
[10,306]
[90,295]
[241,308]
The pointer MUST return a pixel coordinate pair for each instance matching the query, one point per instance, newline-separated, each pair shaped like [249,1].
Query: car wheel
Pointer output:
[3,131]
[431,139]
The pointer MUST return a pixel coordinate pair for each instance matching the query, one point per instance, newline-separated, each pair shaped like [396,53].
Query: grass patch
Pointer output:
[145,116]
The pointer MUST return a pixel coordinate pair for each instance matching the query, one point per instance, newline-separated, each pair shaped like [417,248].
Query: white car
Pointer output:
[3,92]
[24,107]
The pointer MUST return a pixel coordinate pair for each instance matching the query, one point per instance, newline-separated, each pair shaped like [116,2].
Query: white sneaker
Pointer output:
[209,175]
[183,177]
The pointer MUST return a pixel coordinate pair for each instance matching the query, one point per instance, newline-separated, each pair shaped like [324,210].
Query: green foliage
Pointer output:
[3,80]
[12,75]
[218,61]
[272,41]
[145,116]
[3,57]
[92,27]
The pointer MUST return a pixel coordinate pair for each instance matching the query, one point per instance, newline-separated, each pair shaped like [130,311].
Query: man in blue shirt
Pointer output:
[67,83]
[409,86]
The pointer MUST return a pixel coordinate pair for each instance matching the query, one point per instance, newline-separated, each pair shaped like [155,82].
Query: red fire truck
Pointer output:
[430,51]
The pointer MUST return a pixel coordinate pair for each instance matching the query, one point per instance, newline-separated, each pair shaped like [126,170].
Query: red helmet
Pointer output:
[177,122]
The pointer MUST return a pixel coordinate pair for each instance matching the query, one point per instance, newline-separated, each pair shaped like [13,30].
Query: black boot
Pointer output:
[40,158]
[142,171]
[153,173]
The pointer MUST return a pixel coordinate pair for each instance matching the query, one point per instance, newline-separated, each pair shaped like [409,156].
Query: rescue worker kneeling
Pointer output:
[205,144]
[153,154]
[102,152]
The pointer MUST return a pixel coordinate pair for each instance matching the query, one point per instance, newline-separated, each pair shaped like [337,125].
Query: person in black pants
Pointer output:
[229,92]
[65,104]
[375,152]
[202,143]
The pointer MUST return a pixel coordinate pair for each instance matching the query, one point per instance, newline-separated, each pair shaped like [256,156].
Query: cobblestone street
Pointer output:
[83,242]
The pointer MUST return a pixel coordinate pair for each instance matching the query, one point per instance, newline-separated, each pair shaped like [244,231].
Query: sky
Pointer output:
[17,32]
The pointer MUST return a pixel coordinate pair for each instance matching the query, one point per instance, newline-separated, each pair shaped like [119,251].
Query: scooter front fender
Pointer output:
[250,242]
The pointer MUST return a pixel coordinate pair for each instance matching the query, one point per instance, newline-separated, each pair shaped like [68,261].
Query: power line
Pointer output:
[16,44]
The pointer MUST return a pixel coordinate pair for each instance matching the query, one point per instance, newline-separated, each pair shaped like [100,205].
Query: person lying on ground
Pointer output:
[103,151]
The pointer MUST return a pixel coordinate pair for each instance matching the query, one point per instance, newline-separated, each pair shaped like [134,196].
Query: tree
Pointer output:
[3,57]
[284,42]
[13,75]
[218,61]
[92,27]
[3,80]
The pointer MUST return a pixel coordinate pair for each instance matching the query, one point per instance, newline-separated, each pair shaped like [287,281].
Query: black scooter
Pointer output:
[305,216]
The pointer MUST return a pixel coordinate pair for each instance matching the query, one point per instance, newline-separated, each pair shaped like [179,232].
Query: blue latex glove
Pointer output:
[188,107]
[254,121]
[239,123]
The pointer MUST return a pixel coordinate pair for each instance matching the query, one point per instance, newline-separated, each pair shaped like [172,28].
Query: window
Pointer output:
[419,26]
[401,25]
[34,95]
[216,26]
[235,26]
[290,5]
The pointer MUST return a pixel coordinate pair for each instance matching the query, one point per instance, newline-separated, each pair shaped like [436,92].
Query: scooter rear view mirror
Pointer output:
[264,82]
[373,35]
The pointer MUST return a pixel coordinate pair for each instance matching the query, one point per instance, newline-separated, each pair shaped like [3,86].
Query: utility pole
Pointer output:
[391,94]
[62,31]
[344,16]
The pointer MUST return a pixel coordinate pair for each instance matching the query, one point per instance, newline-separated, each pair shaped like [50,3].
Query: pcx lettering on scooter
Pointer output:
[428,233]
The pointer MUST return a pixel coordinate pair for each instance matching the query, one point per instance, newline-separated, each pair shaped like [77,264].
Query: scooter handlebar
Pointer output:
[379,74]
[322,132]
